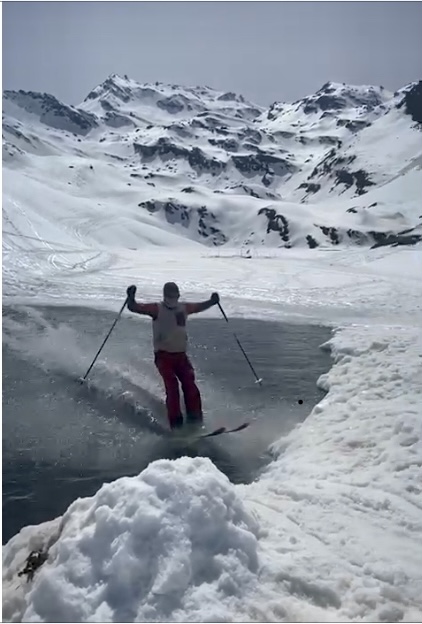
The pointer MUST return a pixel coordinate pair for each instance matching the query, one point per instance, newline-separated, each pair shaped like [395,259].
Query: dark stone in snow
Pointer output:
[312,243]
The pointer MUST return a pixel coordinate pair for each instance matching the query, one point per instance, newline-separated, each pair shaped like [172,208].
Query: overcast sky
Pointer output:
[267,51]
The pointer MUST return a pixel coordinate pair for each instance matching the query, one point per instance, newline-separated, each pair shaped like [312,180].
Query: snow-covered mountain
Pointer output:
[169,164]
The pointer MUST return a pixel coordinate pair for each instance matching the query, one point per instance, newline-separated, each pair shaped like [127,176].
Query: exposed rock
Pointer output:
[262,164]
[310,187]
[230,145]
[324,103]
[110,86]
[331,232]
[390,238]
[200,162]
[359,177]
[105,104]
[412,102]
[173,104]
[163,148]
[176,213]
[115,120]
[229,97]
[353,125]
[312,243]
[276,223]
[251,135]
[329,140]
[53,113]
[283,134]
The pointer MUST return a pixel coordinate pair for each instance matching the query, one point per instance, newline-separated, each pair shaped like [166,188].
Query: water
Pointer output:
[62,440]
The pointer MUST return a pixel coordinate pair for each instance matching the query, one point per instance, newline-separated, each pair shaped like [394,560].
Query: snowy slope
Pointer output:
[340,167]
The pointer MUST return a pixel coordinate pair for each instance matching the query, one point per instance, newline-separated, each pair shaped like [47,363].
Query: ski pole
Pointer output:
[105,340]
[258,379]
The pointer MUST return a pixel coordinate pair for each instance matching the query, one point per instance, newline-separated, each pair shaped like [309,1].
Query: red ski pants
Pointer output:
[175,367]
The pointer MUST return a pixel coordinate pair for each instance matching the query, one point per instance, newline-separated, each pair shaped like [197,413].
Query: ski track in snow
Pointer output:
[332,531]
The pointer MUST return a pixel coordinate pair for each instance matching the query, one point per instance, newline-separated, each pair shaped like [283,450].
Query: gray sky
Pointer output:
[265,50]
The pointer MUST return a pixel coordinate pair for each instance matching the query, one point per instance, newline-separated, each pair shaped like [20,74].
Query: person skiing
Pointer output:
[170,345]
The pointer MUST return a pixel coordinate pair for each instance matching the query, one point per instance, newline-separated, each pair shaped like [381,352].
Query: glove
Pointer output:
[131,291]
[215,298]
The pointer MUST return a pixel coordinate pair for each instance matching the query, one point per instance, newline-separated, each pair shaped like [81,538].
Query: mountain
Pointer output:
[339,167]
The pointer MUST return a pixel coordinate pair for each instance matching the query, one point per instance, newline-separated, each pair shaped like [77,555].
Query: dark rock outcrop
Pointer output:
[276,223]
[331,232]
[310,187]
[312,243]
[348,178]
[230,145]
[115,120]
[353,125]
[53,113]
[412,102]
[187,216]
[262,164]
[172,104]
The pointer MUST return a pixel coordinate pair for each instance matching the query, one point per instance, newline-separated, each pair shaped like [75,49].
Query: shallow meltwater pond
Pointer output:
[63,439]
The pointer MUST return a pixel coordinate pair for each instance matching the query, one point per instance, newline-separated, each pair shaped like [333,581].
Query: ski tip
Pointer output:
[211,434]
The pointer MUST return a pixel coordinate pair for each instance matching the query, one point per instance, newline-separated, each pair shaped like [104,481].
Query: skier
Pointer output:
[170,344]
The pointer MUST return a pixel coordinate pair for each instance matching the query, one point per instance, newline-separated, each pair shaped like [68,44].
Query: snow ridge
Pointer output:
[340,167]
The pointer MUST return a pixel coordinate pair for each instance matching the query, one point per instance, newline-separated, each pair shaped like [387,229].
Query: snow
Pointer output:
[332,530]
[174,542]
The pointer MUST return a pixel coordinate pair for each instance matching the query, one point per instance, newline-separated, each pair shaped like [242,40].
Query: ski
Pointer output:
[210,434]
[239,428]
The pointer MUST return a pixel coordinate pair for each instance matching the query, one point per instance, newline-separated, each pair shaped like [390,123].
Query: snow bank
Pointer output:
[172,544]
[342,500]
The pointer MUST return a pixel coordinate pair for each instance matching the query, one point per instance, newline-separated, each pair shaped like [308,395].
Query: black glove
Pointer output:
[131,292]
[215,298]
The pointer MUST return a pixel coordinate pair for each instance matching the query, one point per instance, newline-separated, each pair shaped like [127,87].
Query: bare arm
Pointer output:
[194,308]
[148,309]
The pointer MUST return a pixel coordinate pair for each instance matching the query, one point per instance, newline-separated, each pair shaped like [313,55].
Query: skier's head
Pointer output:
[171,293]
